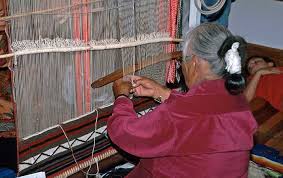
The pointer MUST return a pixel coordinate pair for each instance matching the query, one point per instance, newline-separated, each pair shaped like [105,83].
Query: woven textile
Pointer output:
[49,151]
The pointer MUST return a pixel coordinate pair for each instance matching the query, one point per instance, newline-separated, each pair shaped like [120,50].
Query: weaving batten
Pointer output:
[146,62]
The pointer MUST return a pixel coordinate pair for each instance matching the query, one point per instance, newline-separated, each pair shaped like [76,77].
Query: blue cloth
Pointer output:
[267,152]
[7,173]
[220,17]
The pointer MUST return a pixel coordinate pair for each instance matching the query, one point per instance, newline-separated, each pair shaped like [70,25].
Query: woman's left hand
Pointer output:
[266,71]
[121,87]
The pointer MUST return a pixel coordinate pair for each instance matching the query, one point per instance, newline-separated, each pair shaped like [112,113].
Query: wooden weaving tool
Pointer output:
[130,69]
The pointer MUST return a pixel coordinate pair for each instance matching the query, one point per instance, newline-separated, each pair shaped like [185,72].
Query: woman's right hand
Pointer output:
[143,86]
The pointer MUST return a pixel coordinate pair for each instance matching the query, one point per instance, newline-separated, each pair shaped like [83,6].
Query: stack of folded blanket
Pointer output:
[269,159]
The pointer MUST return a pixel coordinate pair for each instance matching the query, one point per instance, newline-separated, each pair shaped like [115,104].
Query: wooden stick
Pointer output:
[6,18]
[130,69]
[89,47]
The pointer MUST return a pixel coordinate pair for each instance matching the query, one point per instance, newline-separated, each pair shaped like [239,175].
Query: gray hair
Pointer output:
[205,41]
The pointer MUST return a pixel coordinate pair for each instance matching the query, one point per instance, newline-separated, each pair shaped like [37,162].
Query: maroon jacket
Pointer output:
[205,133]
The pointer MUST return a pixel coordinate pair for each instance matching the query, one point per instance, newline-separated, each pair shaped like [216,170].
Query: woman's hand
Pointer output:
[143,86]
[266,71]
[252,85]
[121,87]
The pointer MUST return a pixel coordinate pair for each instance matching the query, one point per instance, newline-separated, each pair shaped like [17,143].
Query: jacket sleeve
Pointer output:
[148,136]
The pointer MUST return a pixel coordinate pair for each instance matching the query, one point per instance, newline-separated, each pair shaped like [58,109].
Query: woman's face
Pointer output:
[255,64]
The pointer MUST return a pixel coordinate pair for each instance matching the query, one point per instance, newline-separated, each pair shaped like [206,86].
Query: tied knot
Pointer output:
[233,59]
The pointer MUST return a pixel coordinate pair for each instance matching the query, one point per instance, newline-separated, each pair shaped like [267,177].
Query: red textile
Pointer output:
[203,133]
[270,88]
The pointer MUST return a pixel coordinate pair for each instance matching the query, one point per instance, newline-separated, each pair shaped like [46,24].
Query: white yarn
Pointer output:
[46,43]
[97,174]
[233,59]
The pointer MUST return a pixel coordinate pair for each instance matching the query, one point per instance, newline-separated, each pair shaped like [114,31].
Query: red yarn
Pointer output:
[170,71]
[172,28]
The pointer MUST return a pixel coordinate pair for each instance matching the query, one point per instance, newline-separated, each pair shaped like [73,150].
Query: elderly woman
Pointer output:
[204,133]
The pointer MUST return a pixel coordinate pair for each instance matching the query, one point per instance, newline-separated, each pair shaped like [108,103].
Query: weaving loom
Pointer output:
[66,53]
[58,48]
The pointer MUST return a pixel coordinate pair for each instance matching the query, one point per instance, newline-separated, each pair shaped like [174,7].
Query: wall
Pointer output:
[258,21]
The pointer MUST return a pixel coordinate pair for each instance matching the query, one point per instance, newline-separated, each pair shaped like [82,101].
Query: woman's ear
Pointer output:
[193,67]
[194,62]
[270,64]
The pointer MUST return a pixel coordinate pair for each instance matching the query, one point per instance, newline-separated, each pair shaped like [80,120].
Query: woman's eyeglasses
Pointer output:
[187,58]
